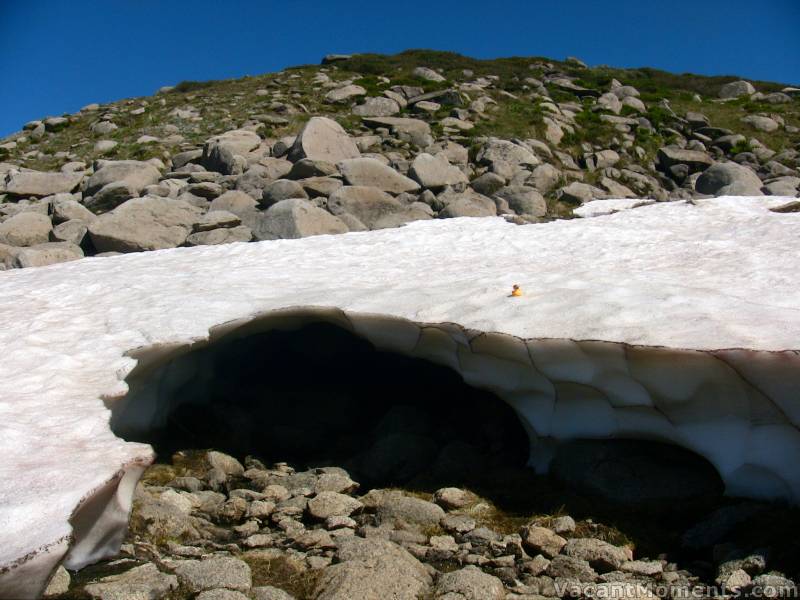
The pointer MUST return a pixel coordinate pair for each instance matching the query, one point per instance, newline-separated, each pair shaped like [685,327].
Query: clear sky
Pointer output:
[59,55]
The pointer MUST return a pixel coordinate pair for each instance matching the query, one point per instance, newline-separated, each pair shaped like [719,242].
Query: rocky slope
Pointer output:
[368,142]
[206,526]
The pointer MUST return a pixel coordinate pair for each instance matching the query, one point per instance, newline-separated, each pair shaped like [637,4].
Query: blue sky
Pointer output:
[59,55]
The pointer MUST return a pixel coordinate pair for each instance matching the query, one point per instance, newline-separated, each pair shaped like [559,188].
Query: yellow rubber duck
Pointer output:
[516,292]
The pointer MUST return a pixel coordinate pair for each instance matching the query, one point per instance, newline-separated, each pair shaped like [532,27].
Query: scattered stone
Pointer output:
[370,172]
[298,218]
[523,200]
[736,89]
[469,583]
[729,179]
[49,253]
[466,204]
[332,504]
[540,540]
[345,93]
[135,174]
[145,581]
[148,223]
[427,74]
[435,172]
[373,568]
[25,229]
[323,139]
[451,498]
[207,574]
[25,184]
[599,554]
[377,107]
[59,583]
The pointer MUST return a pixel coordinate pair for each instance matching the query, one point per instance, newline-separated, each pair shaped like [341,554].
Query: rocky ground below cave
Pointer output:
[368,142]
[207,526]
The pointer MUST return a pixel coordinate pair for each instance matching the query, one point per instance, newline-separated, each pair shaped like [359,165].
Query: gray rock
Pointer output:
[377,107]
[223,572]
[145,582]
[345,93]
[565,524]
[267,592]
[332,504]
[451,498]
[59,583]
[215,219]
[39,183]
[104,128]
[111,196]
[414,131]
[773,586]
[761,123]
[282,189]
[226,235]
[148,223]
[70,231]
[495,150]
[466,204]
[224,462]
[370,172]
[524,200]
[373,569]
[323,139]
[392,509]
[736,89]
[544,178]
[488,183]
[599,554]
[135,174]
[569,567]
[783,186]
[65,208]
[602,160]
[578,193]
[236,202]
[221,594]
[25,229]
[306,167]
[298,218]
[729,179]
[370,206]
[335,482]
[469,583]
[237,141]
[326,60]
[610,101]
[669,156]
[56,123]
[427,74]
[435,172]
[540,540]
[727,142]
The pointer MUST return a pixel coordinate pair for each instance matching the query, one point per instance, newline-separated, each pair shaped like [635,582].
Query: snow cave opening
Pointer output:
[315,394]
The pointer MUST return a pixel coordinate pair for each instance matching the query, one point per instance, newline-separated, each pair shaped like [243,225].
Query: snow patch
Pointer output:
[674,322]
